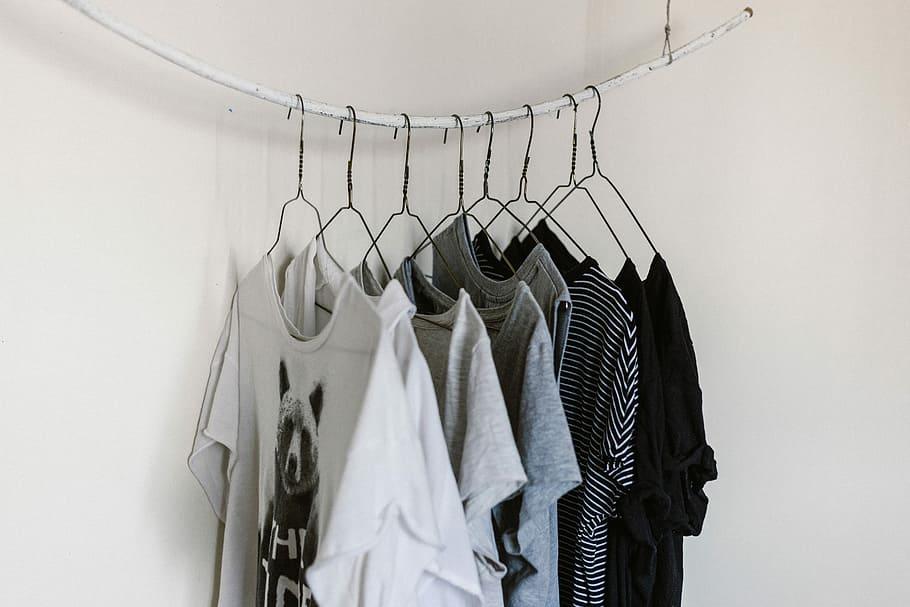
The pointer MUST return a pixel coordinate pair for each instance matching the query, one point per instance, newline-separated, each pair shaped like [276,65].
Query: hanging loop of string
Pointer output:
[668,51]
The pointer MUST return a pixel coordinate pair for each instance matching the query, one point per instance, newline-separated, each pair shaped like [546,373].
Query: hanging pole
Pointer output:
[311,106]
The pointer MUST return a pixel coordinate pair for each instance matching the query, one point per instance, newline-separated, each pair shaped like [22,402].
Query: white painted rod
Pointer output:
[209,72]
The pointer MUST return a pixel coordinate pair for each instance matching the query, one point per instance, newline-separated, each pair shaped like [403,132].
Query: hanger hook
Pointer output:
[486,165]
[353,119]
[460,161]
[574,135]
[599,103]
[291,108]
[524,170]
[572,100]
[407,126]
[460,134]
[300,145]
[594,125]
[574,110]
[407,160]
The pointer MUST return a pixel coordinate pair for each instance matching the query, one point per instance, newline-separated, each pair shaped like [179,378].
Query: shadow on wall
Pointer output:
[174,496]
[175,511]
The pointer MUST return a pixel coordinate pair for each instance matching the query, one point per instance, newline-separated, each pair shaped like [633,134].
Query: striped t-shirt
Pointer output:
[599,391]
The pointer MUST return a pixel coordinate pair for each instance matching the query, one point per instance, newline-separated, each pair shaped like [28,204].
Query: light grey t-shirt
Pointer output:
[474,418]
[522,352]
[458,261]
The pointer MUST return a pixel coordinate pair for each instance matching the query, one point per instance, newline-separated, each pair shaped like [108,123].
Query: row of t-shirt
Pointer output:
[661,495]
[466,439]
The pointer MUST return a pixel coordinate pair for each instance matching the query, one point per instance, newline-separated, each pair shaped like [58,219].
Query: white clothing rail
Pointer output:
[209,72]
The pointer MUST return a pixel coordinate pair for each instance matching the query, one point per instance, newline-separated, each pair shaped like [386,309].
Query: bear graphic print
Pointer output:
[287,536]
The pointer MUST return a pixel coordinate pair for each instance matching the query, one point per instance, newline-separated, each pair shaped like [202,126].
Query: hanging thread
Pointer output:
[667,49]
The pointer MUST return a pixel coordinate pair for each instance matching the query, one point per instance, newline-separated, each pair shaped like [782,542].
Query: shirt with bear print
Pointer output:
[309,454]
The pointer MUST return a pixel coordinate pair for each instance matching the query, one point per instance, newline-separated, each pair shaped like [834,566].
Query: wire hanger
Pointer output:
[299,195]
[406,207]
[486,196]
[595,171]
[460,209]
[486,186]
[573,180]
[596,166]
[523,187]
[350,205]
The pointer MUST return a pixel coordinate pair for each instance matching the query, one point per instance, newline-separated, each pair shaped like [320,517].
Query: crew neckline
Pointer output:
[569,266]
[411,273]
[328,277]
[658,264]
[289,330]
[500,316]
[491,286]
[629,268]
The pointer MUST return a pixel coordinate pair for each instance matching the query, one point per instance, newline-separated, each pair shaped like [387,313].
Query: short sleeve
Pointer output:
[491,469]
[618,443]
[214,446]
[645,508]
[549,454]
[526,524]
[611,462]
[377,528]
[454,565]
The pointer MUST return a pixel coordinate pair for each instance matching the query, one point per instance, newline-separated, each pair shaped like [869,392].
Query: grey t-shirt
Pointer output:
[475,422]
[523,355]
[459,262]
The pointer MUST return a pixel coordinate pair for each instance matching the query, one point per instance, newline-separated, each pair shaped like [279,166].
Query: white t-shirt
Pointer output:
[481,445]
[308,452]
[451,580]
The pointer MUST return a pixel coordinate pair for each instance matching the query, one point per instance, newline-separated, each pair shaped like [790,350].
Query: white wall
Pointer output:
[771,168]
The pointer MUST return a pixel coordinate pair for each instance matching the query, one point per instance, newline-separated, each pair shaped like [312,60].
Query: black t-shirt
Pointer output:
[673,460]
[643,511]
[688,459]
